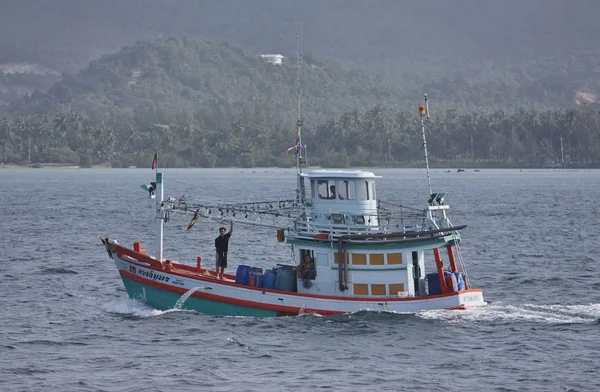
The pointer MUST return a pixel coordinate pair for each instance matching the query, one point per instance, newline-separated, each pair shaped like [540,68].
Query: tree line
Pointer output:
[377,136]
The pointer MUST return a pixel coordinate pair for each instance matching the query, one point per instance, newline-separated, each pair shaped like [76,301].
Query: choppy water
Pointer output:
[66,323]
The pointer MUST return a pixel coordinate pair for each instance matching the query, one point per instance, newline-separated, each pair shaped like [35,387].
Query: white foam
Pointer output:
[184,297]
[503,313]
[133,307]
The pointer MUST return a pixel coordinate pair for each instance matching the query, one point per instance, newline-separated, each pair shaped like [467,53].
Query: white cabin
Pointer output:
[276,59]
[340,202]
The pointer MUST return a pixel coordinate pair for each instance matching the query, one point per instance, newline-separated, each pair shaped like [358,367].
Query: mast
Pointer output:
[562,154]
[300,183]
[424,112]
[160,214]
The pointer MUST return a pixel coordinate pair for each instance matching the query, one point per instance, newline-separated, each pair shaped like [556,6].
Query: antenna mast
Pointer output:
[300,183]
[424,112]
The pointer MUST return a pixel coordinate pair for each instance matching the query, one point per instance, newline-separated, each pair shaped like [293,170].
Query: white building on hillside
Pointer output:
[276,59]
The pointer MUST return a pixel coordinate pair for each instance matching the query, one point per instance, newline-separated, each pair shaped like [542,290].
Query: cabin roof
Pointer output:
[340,174]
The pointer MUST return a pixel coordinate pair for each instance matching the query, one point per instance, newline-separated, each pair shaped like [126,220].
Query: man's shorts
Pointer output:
[221,259]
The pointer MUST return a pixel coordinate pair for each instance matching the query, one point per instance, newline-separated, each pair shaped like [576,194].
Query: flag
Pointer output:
[194,219]
[155,160]
[297,146]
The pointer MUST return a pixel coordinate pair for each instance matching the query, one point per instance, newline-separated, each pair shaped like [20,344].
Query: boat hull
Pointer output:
[179,288]
[164,300]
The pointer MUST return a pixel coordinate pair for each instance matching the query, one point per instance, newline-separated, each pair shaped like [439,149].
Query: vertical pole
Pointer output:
[452,259]
[160,221]
[440,269]
[306,154]
[299,181]
[424,111]
[562,155]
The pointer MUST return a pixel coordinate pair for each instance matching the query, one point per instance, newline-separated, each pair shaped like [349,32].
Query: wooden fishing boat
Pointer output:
[366,254]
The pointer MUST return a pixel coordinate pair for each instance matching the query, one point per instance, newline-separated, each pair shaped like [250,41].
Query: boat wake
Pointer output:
[522,313]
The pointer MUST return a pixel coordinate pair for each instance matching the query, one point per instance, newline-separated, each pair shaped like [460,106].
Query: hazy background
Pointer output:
[145,73]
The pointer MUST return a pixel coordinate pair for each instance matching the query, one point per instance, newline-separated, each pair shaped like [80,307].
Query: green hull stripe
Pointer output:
[164,300]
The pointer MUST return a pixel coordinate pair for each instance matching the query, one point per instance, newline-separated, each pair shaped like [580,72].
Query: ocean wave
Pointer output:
[58,271]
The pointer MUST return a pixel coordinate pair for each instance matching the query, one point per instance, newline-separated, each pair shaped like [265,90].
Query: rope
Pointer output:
[462,264]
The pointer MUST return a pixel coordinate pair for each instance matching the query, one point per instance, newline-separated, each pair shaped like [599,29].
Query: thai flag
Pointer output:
[297,146]
[155,161]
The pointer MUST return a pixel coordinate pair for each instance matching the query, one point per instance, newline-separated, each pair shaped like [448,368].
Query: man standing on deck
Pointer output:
[221,245]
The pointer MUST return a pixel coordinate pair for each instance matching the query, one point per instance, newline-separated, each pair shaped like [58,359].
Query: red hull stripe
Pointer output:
[229,300]
[182,270]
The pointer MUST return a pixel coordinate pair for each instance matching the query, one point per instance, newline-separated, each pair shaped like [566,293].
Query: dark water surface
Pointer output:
[66,323]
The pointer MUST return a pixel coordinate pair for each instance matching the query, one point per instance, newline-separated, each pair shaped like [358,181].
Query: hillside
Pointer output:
[542,52]
[185,74]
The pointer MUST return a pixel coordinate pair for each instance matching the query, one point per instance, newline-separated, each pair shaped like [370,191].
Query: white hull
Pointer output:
[283,302]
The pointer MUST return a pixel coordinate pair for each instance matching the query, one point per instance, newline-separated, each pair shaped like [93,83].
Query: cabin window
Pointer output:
[396,288]
[394,258]
[361,289]
[372,190]
[362,190]
[378,289]
[326,189]
[304,252]
[336,257]
[346,190]
[358,219]
[322,189]
[351,190]
[359,259]
[313,189]
[322,259]
[376,259]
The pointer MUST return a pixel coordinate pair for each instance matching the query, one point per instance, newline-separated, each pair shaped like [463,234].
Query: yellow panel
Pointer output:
[335,257]
[376,259]
[361,289]
[359,258]
[396,288]
[394,258]
[377,289]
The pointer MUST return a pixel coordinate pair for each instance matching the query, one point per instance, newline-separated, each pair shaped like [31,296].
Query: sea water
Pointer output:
[67,323]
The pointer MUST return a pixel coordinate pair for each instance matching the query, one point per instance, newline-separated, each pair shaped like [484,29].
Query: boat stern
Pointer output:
[471,298]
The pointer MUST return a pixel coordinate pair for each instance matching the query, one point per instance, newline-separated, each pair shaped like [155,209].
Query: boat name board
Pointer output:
[471,298]
[153,275]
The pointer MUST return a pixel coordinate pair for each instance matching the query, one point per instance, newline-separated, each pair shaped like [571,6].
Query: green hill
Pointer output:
[178,75]
[185,75]
[506,53]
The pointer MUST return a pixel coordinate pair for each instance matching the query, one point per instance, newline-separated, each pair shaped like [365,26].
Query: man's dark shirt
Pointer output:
[222,243]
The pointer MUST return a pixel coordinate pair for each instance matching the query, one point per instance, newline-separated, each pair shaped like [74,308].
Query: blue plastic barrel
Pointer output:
[269,279]
[460,281]
[433,284]
[242,274]
[258,278]
[285,279]
[453,278]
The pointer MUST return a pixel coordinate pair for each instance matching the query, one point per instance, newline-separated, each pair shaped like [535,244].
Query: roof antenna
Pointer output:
[424,112]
